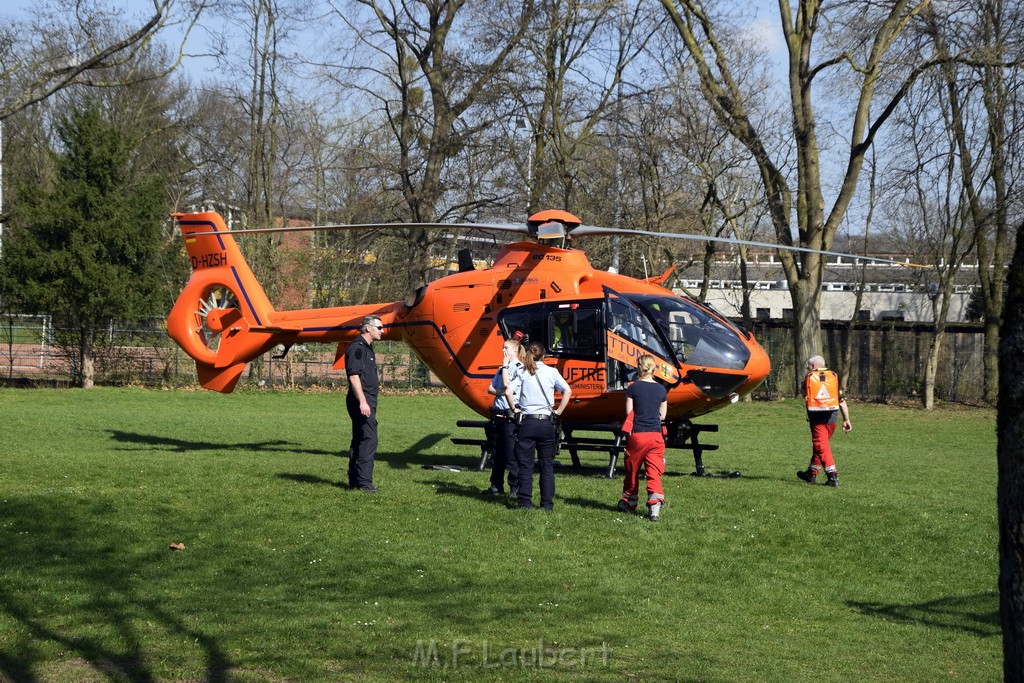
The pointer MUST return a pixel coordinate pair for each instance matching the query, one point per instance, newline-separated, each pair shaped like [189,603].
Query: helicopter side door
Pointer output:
[630,334]
[571,333]
[569,330]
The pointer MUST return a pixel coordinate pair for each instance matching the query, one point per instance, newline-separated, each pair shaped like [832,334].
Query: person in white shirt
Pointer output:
[505,389]
[538,433]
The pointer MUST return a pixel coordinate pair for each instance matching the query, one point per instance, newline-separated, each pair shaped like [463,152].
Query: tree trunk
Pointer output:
[257,367]
[86,362]
[705,283]
[1010,456]
[745,312]
[931,367]
[10,346]
[806,326]
[940,316]
[418,273]
[990,358]
[847,352]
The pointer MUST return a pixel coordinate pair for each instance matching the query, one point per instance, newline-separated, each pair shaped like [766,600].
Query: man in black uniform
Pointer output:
[361,403]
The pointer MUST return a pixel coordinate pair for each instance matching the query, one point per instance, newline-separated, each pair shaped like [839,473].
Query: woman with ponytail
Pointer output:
[538,431]
[645,446]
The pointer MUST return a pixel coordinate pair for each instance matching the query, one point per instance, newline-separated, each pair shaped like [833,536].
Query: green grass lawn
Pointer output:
[289,576]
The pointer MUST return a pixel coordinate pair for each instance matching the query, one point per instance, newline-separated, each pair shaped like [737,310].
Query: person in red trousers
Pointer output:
[645,446]
[824,403]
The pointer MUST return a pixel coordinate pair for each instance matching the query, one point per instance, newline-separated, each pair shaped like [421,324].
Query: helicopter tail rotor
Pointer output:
[220,317]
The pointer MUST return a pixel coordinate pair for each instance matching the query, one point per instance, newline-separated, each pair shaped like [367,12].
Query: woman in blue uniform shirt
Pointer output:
[538,433]
[505,389]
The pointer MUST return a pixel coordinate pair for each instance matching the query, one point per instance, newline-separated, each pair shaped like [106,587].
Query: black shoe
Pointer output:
[369,488]
[491,491]
[807,476]
[833,480]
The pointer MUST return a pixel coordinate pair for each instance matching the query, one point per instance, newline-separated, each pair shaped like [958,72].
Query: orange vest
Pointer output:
[821,389]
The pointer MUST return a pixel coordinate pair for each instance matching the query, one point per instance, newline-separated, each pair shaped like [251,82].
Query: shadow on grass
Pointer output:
[107,614]
[446,487]
[416,455]
[425,443]
[312,479]
[163,443]
[592,504]
[976,614]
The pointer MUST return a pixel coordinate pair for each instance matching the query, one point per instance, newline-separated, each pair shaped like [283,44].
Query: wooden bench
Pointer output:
[686,435]
[486,444]
[613,444]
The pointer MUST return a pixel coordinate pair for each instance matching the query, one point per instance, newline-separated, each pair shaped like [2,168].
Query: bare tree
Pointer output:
[869,47]
[251,155]
[248,157]
[79,44]
[980,100]
[578,56]
[932,217]
[845,362]
[635,173]
[332,167]
[438,61]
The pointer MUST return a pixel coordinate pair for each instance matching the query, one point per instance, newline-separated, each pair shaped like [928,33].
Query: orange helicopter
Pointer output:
[594,323]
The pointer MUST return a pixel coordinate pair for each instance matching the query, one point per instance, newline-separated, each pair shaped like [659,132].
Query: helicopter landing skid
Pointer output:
[700,472]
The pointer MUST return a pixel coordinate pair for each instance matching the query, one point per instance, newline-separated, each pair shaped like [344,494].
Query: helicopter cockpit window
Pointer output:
[696,336]
[627,322]
[573,333]
[565,332]
[526,320]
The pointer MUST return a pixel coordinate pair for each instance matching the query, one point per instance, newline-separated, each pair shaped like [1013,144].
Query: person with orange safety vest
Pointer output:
[824,403]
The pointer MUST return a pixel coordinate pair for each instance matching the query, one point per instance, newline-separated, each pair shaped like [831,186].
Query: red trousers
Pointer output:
[821,449]
[647,449]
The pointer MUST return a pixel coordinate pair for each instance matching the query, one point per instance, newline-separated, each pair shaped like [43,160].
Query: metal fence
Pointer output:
[142,354]
[888,360]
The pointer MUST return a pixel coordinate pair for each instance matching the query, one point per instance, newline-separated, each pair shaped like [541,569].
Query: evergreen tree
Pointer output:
[86,245]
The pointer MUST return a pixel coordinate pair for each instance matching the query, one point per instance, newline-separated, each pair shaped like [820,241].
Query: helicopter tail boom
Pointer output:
[221,316]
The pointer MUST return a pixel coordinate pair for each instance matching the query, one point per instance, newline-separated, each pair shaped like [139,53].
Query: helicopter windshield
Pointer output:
[696,336]
[625,320]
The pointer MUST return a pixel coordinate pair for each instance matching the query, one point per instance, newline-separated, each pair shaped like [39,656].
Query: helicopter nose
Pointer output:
[758,367]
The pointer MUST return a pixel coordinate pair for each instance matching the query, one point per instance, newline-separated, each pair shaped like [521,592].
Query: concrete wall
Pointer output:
[914,306]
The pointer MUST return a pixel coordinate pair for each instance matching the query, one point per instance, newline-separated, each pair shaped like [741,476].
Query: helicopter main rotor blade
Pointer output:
[587,230]
[581,231]
[486,227]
